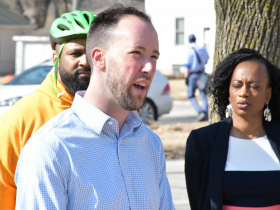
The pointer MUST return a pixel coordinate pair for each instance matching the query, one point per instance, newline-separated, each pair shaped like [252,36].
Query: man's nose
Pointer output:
[84,61]
[148,67]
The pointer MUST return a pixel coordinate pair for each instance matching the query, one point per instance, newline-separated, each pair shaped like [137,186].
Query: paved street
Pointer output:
[181,112]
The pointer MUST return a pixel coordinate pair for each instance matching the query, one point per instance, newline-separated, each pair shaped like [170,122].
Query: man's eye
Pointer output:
[76,54]
[136,52]
[154,56]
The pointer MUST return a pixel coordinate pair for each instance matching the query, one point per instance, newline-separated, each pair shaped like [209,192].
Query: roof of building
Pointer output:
[9,19]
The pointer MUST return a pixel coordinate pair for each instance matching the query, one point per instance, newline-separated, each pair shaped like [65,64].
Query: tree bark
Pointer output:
[41,8]
[246,23]
[13,5]
[36,10]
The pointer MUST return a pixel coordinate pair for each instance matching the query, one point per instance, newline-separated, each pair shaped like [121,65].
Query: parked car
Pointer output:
[158,101]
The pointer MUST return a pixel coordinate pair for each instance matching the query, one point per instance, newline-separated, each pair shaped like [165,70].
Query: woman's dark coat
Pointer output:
[205,160]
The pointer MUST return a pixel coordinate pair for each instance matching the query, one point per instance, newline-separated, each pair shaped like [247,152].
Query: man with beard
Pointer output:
[55,94]
[99,154]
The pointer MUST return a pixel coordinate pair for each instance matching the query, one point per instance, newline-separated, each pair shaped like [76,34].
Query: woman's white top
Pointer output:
[251,155]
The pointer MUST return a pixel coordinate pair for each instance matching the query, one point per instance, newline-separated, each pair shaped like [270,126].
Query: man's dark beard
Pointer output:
[72,81]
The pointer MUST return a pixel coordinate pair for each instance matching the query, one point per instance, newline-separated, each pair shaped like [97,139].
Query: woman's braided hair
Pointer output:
[221,78]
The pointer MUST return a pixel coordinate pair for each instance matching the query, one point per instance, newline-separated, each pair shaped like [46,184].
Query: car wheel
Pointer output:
[148,113]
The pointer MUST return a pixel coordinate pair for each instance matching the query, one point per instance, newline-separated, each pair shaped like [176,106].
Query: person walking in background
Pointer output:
[235,164]
[197,57]
[70,74]
[98,154]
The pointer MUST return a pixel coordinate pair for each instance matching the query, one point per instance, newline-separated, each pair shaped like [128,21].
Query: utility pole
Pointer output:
[75,4]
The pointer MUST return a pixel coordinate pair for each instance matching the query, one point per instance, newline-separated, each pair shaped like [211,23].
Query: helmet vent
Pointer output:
[87,17]
[69,21]
[81,25]
[73,14]
[64,17]
[62,27]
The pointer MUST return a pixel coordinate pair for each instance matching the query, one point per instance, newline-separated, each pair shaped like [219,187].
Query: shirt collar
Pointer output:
[193,44]
[96,119]
[132,123]
[89,114]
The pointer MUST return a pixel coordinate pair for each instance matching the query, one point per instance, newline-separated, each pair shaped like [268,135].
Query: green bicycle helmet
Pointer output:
[69,26]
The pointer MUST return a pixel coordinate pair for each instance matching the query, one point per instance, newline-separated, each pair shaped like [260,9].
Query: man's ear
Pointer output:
[54,57]
[98,58]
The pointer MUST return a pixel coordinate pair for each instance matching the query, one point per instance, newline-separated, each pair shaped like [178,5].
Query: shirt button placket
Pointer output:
[126,171]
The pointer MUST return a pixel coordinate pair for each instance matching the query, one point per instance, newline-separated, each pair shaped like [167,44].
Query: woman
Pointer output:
[234,164]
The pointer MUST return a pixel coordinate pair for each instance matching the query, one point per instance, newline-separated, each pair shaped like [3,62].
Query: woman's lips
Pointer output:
[243,104]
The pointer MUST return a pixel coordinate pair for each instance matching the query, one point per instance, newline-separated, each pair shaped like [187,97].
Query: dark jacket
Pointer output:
[205,160]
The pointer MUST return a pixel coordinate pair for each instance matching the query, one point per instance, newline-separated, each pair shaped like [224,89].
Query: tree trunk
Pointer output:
[40,12]
[13,5]
[246,23]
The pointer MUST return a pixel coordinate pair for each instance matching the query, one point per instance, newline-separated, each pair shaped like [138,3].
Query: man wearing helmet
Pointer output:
[70,31]
[70,74]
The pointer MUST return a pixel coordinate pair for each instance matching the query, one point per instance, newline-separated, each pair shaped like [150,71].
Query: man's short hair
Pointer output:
[101,29]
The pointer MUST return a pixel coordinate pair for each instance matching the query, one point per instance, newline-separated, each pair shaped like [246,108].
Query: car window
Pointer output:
[33,76]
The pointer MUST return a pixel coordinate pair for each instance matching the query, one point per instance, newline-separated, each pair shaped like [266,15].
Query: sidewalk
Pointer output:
[182,112]
[176,177]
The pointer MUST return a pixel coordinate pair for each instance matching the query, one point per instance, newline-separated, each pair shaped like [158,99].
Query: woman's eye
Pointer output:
[236,86]
[255,87]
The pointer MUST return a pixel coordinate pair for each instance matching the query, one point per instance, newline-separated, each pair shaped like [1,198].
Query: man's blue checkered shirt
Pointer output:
[78,160]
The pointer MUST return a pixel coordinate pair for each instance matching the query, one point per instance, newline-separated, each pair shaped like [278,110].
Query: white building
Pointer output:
[31,51]
[174,21]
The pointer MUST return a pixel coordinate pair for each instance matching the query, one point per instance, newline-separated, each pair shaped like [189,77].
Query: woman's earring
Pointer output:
[229,111]
[267,114]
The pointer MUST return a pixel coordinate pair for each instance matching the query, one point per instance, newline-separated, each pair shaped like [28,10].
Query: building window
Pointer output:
[180,31]
[207,38]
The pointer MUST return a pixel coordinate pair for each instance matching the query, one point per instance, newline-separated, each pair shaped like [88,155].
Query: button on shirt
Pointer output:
[79,160]
[192,61]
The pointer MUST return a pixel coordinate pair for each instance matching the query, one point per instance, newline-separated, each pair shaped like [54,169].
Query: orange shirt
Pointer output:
[18,124]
